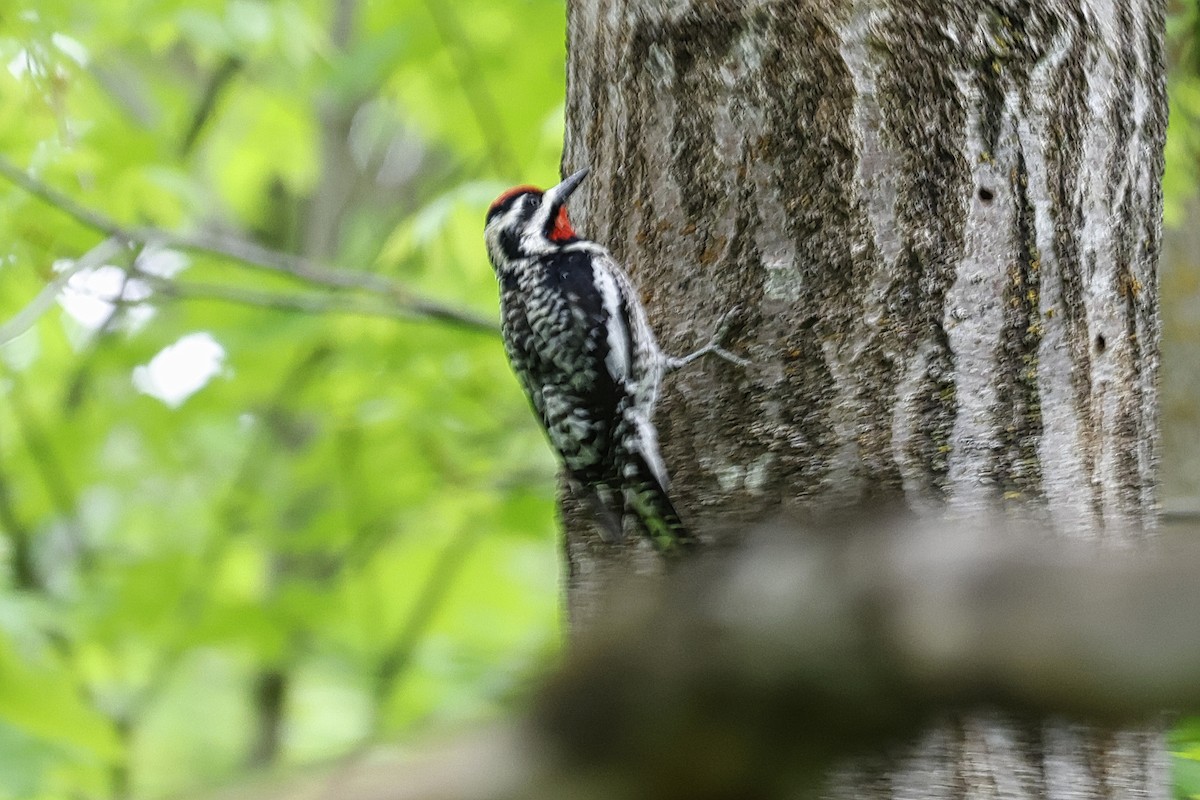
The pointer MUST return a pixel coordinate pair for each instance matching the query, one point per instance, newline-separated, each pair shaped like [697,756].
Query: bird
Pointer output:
[579,340]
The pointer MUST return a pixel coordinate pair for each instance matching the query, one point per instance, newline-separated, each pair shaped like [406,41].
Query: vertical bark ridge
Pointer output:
[1018,472]
[893,451]
[1124,351]
[924,126]
[1152,129]
[1067,454]
[803,86]
[941,221]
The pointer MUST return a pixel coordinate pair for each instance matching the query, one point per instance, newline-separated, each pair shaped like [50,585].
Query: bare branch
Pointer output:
[305,303]
[748,673]
[254,255]
[438,582]
[214,87]
[43,301]
[25,576]
[470,75]
[50,469]
[62,202]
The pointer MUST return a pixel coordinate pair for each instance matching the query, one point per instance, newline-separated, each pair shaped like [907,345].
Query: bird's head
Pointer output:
[525,221]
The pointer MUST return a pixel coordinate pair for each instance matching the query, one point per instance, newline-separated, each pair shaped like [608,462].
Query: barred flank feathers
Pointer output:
[649,500]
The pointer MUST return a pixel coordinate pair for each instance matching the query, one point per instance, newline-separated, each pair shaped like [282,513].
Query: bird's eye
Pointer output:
[534,202]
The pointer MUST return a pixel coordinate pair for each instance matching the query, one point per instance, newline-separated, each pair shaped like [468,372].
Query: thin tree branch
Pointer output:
[197,596]
[325,211]
[252,255]
[51,471]
[24,573]
[247,477]
[62,202]
[217,83]
[483,105]
[305,303]
[270,693]
[438,582]
[43,301]
[77,384]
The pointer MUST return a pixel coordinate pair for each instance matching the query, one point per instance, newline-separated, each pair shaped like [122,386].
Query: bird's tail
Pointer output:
[605,509]
[647,497]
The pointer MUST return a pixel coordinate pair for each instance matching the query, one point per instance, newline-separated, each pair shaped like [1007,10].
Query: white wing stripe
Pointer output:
[618,358]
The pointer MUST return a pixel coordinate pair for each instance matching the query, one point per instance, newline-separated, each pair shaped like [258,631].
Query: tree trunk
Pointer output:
[942,222]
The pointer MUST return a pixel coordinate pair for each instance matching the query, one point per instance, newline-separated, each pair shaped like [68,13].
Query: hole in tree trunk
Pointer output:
[986,195]
[1100,343]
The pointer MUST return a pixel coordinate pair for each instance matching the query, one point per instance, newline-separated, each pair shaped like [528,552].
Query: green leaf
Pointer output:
[43,699]
[1185,772]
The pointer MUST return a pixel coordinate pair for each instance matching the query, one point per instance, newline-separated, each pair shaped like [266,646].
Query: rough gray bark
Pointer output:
[942,221]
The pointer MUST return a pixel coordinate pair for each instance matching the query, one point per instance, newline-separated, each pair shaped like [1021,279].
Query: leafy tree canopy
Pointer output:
[251,517]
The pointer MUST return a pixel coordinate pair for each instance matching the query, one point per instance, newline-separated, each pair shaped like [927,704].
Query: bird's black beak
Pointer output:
[556,196]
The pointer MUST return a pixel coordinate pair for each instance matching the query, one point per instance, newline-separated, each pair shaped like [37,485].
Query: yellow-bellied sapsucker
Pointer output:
[578,339]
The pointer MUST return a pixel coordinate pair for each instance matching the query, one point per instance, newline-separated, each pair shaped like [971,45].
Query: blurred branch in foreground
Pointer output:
[408,304]
[305,303]
[749,673]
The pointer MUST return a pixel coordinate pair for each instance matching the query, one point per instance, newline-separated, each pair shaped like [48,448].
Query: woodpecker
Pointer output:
[578,339]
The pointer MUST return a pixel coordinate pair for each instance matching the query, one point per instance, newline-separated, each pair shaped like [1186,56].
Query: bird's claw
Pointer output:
[714,344]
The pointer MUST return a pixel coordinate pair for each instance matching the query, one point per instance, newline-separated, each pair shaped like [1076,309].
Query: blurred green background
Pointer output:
[261,522]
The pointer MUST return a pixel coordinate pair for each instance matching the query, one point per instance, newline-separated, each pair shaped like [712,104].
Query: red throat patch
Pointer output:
[562,227]
[562,230]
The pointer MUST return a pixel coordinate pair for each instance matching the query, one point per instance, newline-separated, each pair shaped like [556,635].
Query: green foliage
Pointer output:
[1181,274]
[1183,135]
[1183,148]
[1185,763]
[360,505]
